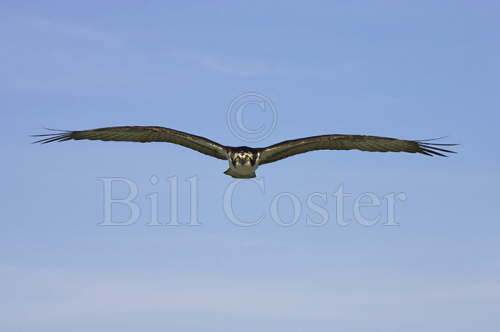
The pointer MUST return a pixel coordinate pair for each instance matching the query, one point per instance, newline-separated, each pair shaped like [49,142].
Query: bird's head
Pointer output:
[244,158]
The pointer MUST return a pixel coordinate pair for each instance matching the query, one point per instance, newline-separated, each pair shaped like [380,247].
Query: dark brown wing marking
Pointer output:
[349,142]
[141,134]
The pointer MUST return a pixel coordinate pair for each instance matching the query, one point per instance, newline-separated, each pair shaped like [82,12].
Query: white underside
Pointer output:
[241,171]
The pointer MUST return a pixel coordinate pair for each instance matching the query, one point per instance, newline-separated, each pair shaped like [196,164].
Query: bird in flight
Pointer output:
[244,160]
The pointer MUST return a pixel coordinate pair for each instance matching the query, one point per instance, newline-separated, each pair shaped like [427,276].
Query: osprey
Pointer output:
[244,160]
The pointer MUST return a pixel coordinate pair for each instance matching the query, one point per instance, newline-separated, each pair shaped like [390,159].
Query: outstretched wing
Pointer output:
[349,142]
[141,134]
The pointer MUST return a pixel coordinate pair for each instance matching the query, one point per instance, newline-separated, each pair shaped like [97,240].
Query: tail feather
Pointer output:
[233,174]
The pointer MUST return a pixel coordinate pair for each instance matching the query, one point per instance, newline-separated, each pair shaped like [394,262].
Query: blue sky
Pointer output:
[392,68]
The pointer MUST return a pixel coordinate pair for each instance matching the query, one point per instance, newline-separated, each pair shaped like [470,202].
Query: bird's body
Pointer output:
[243,160]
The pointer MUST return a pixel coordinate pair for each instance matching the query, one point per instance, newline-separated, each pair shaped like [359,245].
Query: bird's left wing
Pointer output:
[349,142]
[141,134]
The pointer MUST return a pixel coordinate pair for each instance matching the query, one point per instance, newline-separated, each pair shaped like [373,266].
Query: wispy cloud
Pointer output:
[59,29]
[241,66]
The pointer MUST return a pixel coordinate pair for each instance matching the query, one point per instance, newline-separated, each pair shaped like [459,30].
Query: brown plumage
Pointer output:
[141,134]
[350,142]
[243,161]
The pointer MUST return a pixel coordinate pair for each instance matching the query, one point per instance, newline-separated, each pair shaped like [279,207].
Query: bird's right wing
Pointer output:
[141,134]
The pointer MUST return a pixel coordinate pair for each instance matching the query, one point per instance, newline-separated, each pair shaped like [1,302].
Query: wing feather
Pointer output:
[141,134]
[350,142]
